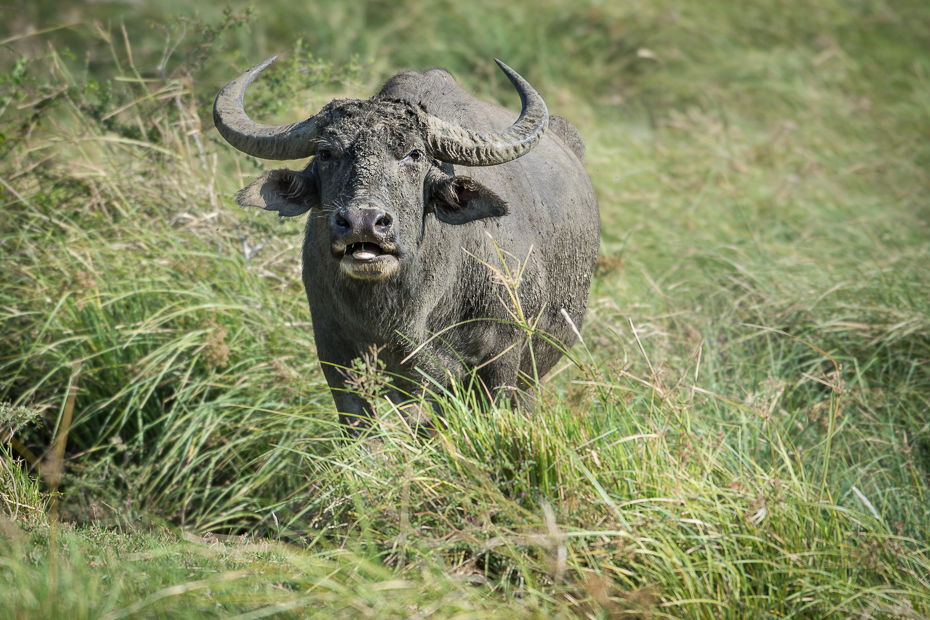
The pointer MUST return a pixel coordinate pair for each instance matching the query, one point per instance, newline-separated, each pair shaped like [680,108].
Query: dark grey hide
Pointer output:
[395,241]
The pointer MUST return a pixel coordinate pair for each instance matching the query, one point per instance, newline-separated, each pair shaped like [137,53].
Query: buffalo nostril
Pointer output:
[342,223]
[384,221]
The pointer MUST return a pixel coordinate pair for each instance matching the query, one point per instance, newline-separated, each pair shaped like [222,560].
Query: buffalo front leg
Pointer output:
[336,358]
[355,413]
[501,381]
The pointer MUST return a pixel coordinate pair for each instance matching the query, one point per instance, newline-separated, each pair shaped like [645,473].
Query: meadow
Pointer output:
[743,433]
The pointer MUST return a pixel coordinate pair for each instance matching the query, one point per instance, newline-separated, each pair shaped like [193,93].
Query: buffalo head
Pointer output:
[378,167]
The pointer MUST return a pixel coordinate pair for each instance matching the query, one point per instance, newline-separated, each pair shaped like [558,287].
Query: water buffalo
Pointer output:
[416,197]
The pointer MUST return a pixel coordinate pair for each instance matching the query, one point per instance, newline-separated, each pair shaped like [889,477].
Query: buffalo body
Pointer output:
[426,205]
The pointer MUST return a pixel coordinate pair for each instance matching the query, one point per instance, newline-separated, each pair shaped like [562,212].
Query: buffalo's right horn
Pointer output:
[294,141]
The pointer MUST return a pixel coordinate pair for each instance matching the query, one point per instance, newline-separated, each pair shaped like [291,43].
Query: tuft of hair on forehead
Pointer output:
[348,118]
[397,110]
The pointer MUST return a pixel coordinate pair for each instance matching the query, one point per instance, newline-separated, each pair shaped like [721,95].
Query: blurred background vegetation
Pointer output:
[745,433]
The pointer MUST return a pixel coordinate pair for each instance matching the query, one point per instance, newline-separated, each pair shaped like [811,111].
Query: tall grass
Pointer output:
[124,262]
[742,434]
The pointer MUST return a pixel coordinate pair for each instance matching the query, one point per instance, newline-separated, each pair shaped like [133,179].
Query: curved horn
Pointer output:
[294,141]
[456,145]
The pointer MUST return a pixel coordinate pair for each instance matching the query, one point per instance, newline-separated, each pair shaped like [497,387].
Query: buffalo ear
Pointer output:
[288,192]
[459,200]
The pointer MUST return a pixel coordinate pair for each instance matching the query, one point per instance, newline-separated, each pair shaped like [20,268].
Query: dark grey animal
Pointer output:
[416,197]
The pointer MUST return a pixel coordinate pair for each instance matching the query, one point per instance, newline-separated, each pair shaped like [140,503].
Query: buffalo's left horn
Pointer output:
[294,141]
[457,145]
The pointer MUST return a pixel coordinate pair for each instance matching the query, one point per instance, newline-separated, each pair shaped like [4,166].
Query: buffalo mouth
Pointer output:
[367,261]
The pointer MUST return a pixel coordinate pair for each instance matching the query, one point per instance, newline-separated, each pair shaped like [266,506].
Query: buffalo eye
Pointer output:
[413,155]
[325,155]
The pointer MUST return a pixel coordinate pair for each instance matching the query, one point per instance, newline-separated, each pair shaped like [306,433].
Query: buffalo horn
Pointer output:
[294,141]
[457,145]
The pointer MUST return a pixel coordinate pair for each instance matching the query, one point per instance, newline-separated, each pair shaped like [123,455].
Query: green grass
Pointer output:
[743,433]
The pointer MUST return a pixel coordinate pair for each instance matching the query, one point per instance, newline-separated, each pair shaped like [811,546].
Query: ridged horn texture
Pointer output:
[294,141]
[456,145]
